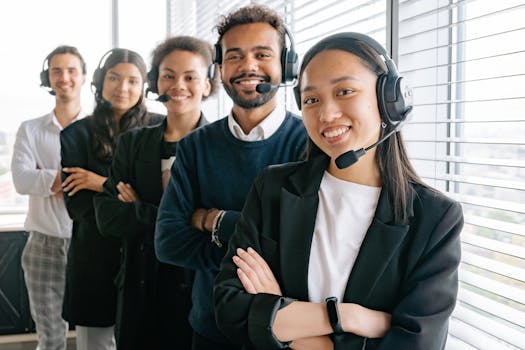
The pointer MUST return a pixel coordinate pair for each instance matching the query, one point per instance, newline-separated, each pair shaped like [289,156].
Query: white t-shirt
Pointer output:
[345,212]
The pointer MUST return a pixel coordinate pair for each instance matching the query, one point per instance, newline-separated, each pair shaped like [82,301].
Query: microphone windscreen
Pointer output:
[348,158]
[263,88]
[163,98]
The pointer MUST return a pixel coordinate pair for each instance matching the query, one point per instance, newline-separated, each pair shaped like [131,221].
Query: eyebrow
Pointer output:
[173,71]
[258,47]
[333,81]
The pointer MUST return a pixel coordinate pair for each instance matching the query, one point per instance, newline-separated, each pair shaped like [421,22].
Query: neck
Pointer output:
[250,118]
[180,125]
[364,172]
[66,111]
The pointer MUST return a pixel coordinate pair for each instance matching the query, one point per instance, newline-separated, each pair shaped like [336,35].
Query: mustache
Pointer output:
[266,78]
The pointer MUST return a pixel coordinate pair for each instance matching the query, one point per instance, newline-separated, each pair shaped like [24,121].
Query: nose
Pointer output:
[329,111]
[178,84]
[249,64]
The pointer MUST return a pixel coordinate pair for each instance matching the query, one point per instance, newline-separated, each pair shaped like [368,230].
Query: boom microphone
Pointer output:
[163,98]
[264,88]
[349,158]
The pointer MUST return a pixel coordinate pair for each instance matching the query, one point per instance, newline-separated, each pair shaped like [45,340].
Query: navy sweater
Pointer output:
[213,169]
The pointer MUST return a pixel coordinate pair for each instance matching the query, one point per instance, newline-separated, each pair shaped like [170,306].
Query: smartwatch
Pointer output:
[333,315]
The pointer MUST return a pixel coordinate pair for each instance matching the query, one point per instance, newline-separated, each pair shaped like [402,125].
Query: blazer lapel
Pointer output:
[379,245]
[149,163]
[299,202]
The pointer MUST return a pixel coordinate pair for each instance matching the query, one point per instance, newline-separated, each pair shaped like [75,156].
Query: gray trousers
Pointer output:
[44,261]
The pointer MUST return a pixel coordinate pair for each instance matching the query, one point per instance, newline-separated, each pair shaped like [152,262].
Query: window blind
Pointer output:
[464,60]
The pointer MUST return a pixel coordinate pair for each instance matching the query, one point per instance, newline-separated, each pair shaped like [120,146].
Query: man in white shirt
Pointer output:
[36,172]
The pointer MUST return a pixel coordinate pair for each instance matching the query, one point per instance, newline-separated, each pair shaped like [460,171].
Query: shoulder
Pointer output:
[36,122]
[432,201]
[79,130]
[154,119]
[278,174]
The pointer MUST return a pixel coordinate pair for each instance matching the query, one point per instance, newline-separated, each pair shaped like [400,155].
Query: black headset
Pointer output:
[394,97]
[44,73]
[289,58]
[98,74]
[153,77]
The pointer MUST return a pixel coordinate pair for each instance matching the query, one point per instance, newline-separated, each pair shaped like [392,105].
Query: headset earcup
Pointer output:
[97,82]
[218,54]
[289,64]
[44,78]
[153,76]
[381,103]
[211,71]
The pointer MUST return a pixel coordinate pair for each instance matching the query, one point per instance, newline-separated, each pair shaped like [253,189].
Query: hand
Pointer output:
[254,273]
[56,187]
[165,178]
[126,193]
[81,179]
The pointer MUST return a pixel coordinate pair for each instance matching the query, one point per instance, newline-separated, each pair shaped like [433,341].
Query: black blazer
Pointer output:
[93,260]
[409,270]
[154,299]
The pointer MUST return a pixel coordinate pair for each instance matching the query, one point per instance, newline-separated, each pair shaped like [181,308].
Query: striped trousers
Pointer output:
[44,261]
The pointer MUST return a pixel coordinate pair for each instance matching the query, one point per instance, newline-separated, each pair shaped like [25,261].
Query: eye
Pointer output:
[167,76]
[233,57]
[134,81]
[113,78]
[263,55]
[310,100]
[192,78]
[344,92]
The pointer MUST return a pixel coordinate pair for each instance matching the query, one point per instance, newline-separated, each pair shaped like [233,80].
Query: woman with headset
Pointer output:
[348,249]
[87,147]
[154,298]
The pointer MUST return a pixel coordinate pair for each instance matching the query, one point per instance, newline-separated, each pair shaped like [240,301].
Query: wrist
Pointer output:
[333,315]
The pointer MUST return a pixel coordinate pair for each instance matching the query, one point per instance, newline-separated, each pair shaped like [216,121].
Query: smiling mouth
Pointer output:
[336,132]
[179,97]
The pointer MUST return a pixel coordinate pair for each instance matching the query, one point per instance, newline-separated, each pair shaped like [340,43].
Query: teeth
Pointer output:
[178,97]
[249,82]
[335,133]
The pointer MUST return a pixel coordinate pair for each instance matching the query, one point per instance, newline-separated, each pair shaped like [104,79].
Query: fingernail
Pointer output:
[250,250]
[235,258]
[240,251]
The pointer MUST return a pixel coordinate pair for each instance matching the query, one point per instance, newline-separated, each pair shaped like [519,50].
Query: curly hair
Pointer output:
[182,43]
[252,14]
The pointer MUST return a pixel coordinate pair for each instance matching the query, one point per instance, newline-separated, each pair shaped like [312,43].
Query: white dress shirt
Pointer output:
[345,212]
[35,163]
[266,128]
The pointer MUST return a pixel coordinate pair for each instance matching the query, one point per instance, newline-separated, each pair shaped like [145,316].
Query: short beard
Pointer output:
[258,101]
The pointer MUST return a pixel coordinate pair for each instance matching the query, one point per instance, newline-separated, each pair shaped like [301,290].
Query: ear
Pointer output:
[207,88]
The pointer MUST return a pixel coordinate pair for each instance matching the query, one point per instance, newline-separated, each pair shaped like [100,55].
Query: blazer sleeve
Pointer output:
[75,146]
[177,242]
[246,318]
[114,217]
[420,319]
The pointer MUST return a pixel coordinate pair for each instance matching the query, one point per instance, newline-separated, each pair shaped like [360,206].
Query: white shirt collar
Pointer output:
[266,128]
[55,121]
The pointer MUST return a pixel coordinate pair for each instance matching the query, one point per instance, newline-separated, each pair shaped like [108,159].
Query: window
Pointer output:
[28,36]
[465,62]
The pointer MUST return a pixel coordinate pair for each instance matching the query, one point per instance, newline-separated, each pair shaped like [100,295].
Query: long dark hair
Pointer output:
[396,171]
[104,126]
